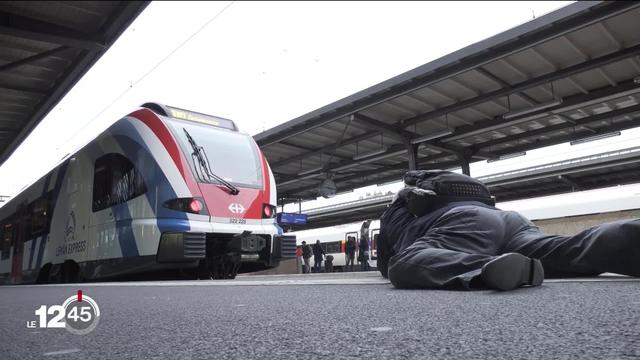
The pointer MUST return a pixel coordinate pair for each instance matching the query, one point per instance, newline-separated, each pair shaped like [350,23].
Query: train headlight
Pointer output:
[268,211]
[196,206]
[190,205]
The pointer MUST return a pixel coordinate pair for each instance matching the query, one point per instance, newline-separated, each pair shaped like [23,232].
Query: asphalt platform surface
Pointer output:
[330,316]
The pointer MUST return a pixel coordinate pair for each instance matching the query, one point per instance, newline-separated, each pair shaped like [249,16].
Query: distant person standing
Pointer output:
[306,256]
[364,246]
[350,252]
[328,264]
[318,253]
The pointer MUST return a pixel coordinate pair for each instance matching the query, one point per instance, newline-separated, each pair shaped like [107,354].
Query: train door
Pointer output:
[373,262]
[355,235]
[374,243]
[19,238]
[115,182]
[102,232]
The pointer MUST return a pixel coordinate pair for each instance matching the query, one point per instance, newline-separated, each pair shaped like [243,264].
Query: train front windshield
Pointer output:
[232,156]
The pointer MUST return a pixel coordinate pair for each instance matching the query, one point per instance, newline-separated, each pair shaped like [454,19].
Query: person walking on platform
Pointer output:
[318,253]
[364,246]
[350,252]
[444,231]
[306,256]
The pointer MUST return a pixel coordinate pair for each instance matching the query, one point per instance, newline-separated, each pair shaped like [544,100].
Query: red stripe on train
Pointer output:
[266,181]
[156,125]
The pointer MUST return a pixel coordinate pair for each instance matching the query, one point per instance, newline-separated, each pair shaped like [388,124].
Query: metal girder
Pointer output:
[24,89]
[405,136]
[564,139]
[565,179]
[325,149]
[24,27]
[310,149]
[452,65]
[540,80]
[399,167]
[391,130]
[574,169]
[30,59]
[568,104]
[579,122]
[588,182]
[391,150]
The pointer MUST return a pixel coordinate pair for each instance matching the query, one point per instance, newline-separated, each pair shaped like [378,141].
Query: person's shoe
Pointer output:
[512,270]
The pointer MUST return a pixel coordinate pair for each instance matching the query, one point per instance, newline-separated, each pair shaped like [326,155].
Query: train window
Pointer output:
[39,216]
[333,247]
[7,234]
[115,181]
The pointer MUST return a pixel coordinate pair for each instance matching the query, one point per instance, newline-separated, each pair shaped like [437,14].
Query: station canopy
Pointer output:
[576,174]
[570,75]
[45,48]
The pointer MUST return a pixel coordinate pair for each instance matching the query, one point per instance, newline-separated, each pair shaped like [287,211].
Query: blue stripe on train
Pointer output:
[157,184]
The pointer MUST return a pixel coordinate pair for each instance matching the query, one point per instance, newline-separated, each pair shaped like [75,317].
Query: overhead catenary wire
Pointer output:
[151,70]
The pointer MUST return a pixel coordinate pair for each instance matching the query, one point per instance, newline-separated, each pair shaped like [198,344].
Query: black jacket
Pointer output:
[306,251]
[399,228]
[318,251]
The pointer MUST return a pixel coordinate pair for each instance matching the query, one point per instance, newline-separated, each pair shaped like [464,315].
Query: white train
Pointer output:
[582,204]
[161,188]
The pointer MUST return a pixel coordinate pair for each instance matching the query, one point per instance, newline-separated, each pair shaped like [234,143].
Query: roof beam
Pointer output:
[573,102]
[24,89]
[361,174]
[391,150]
[403,135]
[307,149]
[577,86]
[567,180]
[541,80]
[486,73]
[30,59]
[609,36]
[580,122]
[606,77]
[24,27]
[564,139]
[576,48]
[326,148]
[391,130]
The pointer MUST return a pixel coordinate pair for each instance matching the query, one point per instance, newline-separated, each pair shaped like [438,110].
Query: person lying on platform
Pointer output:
[443,231]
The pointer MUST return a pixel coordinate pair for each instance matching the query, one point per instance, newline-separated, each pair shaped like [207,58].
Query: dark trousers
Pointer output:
[317,263]
[453,250]
[350,257]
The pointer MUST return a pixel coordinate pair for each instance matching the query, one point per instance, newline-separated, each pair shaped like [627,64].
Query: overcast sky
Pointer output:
[258,63]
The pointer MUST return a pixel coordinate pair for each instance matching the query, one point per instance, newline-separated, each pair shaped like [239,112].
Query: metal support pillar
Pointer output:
[464,162]
[412,150]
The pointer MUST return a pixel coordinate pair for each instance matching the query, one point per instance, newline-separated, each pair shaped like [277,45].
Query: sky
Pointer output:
[262,64]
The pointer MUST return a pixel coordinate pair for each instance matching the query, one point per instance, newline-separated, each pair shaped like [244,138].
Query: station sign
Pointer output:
[292,219]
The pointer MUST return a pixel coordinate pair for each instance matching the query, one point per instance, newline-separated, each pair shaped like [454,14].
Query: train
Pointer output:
[562,213]
[162,188]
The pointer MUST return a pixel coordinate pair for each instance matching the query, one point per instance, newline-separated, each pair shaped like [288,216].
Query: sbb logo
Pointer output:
[78,314]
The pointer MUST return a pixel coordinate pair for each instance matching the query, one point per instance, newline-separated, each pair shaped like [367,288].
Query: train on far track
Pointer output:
[161,189]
